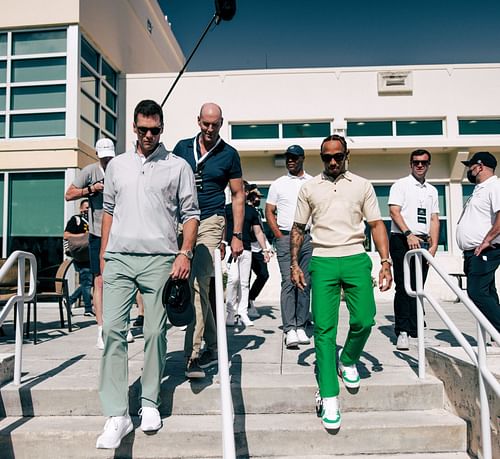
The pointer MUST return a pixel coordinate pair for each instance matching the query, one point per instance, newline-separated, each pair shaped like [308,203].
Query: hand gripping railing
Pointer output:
[22,297]
[222,354]
[478,357]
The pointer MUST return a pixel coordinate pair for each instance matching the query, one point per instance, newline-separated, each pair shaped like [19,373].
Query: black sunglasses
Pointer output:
[417,162]
[144,130]
[338,157]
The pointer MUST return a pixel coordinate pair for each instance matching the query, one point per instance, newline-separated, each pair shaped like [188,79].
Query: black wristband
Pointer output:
[407,233]
[89,189]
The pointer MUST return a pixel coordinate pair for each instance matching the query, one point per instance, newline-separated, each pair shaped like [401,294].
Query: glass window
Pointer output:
[109,74]
[109,121]
[466,192]
[291,130]
[254,131]
[35,97]
[37,125]
[53,68]
[382,192]
[3,72]
[2,129]
[88,108]
[88,133]
[3,44]
[1,206]
[475,127]
[90,55]
[369,128]
[420,127]
[108,98]
[2,99]
[41,42]
[88,81]
[441,189]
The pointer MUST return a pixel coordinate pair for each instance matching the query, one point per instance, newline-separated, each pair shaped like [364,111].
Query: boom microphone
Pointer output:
[225,9]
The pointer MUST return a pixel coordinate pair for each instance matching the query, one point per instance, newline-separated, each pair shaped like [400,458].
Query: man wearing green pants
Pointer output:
[338,202]
[147,192]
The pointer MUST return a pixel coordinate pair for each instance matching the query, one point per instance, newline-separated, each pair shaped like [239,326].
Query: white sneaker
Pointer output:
[100,342]
[252,310]
[350,375]
[330,413]
[115,429]
[291,339]
[403,343]
[302,337]
[246,320]
[230,319]
[130,337]
[150,419]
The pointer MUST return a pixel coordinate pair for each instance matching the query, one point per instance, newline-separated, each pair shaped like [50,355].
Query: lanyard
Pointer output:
[205,156]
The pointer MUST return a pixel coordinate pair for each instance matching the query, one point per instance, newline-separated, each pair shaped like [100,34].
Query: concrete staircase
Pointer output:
[56,412]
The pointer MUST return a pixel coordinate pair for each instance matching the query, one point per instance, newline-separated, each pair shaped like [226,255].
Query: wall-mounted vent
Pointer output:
[395,83]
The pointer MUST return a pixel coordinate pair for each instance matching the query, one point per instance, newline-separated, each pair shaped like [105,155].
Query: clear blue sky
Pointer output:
[329,33]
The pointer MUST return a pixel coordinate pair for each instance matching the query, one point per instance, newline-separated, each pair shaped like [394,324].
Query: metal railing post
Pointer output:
[419,285]
[483,396]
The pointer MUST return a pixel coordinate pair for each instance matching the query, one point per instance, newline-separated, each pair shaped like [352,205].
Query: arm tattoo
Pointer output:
[296,239]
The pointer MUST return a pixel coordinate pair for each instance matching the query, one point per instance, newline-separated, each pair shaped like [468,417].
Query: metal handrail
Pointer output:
[20,299]
[478,357]
[222,354]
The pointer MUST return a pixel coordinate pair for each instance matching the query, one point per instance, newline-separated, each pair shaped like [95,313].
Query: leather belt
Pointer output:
[286,233]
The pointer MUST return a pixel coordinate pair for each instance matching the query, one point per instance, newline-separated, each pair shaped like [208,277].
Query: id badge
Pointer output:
[422,215]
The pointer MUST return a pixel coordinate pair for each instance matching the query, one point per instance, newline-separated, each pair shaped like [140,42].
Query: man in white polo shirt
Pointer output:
[478,235]
[280,212]
[414,209]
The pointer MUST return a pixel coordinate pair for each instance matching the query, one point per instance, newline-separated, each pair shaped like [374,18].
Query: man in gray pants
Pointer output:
[280,212]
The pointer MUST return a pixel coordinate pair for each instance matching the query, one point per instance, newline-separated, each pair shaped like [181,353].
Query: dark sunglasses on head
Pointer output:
[338,157]
[144,130]
[417,162]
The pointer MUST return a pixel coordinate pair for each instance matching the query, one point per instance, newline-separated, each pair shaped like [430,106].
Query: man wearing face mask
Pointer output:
[414,208]
[478,235]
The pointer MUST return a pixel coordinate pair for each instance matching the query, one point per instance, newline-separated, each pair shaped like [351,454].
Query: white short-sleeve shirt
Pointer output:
[418,201]
[283,194]
[479,214]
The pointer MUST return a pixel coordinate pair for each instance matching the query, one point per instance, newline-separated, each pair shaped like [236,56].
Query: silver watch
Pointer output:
[187,253]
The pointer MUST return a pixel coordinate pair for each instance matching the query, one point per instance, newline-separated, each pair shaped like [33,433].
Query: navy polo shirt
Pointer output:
[222,165]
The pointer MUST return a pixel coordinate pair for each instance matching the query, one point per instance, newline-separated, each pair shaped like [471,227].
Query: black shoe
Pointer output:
[194,371]
[139,322]
[89,313]
[208,358]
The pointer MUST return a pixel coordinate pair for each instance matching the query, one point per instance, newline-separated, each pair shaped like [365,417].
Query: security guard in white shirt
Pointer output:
[478,235]
[414,209]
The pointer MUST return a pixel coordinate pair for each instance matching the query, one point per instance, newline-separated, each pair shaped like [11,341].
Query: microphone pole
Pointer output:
[215,19]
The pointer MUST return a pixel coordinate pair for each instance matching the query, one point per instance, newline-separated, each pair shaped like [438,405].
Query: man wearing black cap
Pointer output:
[280,212]
[478,235]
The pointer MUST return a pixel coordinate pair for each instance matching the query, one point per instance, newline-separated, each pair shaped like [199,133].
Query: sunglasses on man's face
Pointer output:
[417,162]
[144,130]
[338,157]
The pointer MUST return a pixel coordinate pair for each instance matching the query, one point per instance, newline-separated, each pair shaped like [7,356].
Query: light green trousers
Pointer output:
[125,274]
[328,276]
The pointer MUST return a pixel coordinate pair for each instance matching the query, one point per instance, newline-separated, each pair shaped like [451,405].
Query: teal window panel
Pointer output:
[2,128]
[419,127]
[88,133]
[89,108]
[3,44]
[40,42]
[36,97]
[291,130]
[108,98]
[254,131]
[3,71]
[109,121]
[443,235]
[1,203]
[37,125]
[466,192]
[88,81]
[2,99]
[441,189]
[90,55]
[382,192]
[36,204]
[53,68]
[369,128]
[109,74]
[478,127]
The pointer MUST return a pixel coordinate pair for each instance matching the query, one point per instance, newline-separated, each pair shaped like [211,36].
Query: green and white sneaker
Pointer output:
[330,413]
[350,375]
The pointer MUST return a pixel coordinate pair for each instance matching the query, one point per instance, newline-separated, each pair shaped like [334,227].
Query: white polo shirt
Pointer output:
[418,201]
[479,214]
[283,194]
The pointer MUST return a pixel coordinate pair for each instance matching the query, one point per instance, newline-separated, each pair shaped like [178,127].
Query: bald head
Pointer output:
[210,122]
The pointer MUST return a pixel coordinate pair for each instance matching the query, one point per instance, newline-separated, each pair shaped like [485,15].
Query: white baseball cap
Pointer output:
[105,148]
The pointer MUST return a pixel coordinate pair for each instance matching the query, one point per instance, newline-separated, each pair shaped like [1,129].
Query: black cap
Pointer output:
[482,157]
[295,150]
[177,302]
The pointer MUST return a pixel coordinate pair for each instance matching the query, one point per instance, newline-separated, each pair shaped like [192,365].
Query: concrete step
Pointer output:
[382,456]
[293,435]
[252,394]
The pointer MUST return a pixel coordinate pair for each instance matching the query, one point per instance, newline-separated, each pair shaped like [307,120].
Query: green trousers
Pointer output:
[124,275]
[328,276]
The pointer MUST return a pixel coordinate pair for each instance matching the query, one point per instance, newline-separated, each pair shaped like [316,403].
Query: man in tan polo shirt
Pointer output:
[338,202]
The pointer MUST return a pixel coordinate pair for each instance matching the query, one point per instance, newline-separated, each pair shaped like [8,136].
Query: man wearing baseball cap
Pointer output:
[280,212]
[478,235]
[89,183]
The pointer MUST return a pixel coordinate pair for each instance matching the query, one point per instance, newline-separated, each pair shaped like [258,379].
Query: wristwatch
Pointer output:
[407,233]
[238,236]
[187,253]
[386,260]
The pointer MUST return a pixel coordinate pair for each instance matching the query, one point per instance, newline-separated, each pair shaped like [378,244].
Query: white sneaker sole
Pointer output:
[152,428]
[100,444]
